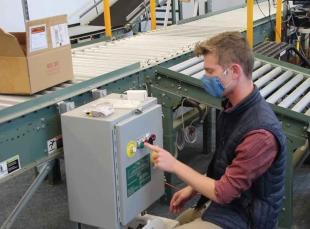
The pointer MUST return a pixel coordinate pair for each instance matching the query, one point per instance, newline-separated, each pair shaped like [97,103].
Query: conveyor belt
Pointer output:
[149,49]
[278,85]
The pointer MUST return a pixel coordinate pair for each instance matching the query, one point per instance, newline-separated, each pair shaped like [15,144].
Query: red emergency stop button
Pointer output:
[151,139]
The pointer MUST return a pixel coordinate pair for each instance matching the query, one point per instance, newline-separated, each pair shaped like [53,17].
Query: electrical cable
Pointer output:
[171,186]
[186,134]
[260,9]
[297,35]
[180,141]
[190,135]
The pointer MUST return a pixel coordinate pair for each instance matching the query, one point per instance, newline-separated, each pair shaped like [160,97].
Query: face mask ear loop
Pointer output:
[225,72]
[225,75]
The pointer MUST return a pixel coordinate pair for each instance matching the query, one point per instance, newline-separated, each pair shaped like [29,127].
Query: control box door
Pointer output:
[139,183]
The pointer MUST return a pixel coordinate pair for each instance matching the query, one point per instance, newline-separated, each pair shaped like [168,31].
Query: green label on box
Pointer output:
[138,174]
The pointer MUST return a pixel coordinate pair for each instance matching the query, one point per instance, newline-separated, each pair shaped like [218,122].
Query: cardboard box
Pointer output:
[37,59]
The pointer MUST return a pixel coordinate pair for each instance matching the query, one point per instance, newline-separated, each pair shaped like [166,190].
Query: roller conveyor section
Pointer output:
[199,75]
[261,71]
[268,77]
[275,84]
[298,92]
[193,69]
[285,89]
[278,85]
[257,64]
[303,103]
[185,64]
[149,49]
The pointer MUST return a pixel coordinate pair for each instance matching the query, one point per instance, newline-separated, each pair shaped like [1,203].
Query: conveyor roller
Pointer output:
[278,85]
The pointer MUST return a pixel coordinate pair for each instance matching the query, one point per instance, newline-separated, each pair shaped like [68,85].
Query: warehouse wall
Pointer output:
[11,15]
[12,18]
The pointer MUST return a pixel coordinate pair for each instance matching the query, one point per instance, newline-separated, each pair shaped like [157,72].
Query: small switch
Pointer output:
[151,139]
[140,144]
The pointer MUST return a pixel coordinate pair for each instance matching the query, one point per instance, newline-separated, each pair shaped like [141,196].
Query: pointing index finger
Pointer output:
[151,147]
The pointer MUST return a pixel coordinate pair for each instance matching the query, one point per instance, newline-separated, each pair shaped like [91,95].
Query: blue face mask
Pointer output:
[213,86]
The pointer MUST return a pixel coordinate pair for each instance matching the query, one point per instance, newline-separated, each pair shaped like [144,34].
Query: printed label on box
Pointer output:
[10,165]
[60,35]
[38,38]
[54,143]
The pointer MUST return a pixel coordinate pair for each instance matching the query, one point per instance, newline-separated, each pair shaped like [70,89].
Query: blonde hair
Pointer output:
[229,47]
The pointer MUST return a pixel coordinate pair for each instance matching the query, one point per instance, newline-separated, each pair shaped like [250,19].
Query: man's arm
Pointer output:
[165,161]
[254,156]
[201,183]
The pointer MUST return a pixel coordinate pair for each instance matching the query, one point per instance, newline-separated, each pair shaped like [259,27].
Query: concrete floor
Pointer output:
[48,208]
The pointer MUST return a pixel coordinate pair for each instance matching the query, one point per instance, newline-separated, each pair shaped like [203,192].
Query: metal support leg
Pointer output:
[173,12]
[27,196]
[25,10]
[286,215]
[180,7]
[168,8]
[78,226]
[209,131]
[54,177]
[169,141]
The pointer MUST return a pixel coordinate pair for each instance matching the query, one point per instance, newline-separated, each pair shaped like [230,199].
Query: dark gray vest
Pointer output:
[259,206]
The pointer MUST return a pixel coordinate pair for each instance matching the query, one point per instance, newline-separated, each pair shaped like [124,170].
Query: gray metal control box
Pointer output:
[110,176]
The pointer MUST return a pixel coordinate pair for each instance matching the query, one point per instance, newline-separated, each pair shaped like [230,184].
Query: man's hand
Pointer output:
[162,158]
[180,198]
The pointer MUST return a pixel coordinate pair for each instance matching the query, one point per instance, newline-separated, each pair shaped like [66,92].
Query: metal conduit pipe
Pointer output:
[285,89]
[276,83]
[193,69]
[268,77]
[8,223]
[181,66]
[261,71]
[295,94]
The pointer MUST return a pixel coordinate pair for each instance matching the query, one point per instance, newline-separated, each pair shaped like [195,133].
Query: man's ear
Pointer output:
[236,71]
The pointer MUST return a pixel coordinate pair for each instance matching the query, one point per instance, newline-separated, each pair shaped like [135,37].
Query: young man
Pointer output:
[245,180]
